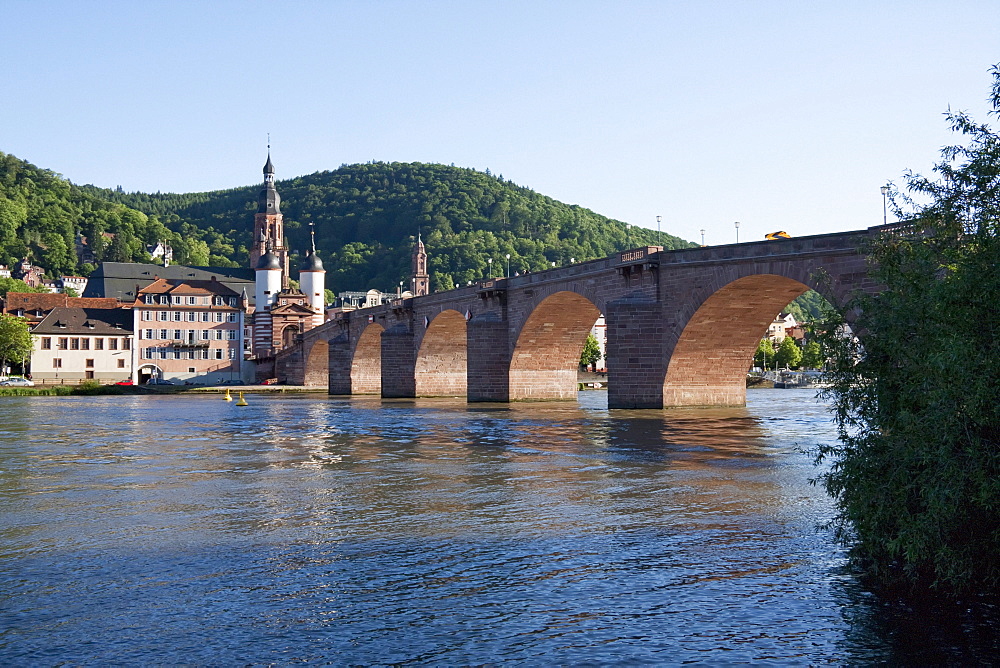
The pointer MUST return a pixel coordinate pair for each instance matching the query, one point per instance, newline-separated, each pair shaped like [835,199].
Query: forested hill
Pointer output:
[367,217]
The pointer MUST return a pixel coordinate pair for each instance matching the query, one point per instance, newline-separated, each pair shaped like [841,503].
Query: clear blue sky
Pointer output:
[780,115]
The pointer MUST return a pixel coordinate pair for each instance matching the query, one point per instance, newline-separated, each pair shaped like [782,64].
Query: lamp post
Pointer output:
[659,237]
[737,224]
[508,265]
[627,228]
[400,289]
[703,237]
[489,262]
[885,192]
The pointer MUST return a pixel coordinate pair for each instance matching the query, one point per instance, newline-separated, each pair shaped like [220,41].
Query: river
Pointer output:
[307,529]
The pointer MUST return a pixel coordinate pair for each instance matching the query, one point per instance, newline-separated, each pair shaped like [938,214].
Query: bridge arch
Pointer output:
[546,356]
[442,358]
[709,361]
[366,362]
[317,366]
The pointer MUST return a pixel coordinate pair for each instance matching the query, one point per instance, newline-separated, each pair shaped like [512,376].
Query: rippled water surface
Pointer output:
[184,529]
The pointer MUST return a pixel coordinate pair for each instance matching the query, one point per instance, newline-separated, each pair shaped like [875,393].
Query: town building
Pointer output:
[77,283]
[75,344]
[29,273]
[34,306]
[781,326]
[189,332]
[121,279]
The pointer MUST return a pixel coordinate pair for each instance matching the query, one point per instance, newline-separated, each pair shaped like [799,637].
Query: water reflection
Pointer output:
[359,531]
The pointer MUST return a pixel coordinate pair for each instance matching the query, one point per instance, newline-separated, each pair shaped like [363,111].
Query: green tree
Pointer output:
[812,355]
[15,340]
[916,470]
[789,354]
[16,285]
[591,354]
[764,356]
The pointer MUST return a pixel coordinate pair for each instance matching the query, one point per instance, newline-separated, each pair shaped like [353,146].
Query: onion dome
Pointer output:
[268,261]
[311,262]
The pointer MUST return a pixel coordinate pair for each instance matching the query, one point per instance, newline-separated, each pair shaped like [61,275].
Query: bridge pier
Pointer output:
[399,359]
[488,342]
[340,364]
[636,355]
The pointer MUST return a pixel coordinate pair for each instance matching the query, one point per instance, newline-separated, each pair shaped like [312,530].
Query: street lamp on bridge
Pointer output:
[737,224]
[885,192]
[703,237]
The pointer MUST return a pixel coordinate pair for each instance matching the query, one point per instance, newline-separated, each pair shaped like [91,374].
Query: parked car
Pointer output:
[16,382]
[159,381]
[127,381]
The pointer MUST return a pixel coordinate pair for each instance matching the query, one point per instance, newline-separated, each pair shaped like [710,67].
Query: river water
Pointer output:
[310,529]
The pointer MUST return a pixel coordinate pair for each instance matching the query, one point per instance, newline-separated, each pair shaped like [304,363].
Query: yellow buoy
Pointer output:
[227,397]
[242,401]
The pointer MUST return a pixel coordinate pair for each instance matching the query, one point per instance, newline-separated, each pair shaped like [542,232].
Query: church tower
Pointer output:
[268,224]
[421,280]
[312,281]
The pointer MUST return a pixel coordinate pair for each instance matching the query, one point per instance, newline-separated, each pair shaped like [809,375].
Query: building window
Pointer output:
[84,344]
[56,362]
[219,317]
[147,315]
[178,300]
[74,343]
[231,317]
[148,299]
[231,334]
[232,301]
[178,334]
[218,353]
[163,316]
[89,374]
[121,364]
[98,344]
[218,301]
[113,343]
[190,369]
[205,315]
[232,353]
[192,316]
[126,344]
[164,299]
[46,343]
[89,364]
[218,335]
[205,334]
[177,316]
[163,334]
[192,301]
[192,336]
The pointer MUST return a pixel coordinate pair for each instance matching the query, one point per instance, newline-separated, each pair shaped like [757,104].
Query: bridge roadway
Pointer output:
[682,326]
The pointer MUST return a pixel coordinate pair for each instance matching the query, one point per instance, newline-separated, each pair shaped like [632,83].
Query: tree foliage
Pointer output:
[15,339]
[789,354]
[591,351]
[16,285]
[764,355]
[916,471]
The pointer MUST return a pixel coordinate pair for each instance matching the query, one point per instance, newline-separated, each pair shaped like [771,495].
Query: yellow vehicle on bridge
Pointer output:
[771,236]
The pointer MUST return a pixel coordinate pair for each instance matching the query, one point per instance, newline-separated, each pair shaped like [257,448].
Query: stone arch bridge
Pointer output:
[682,326]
